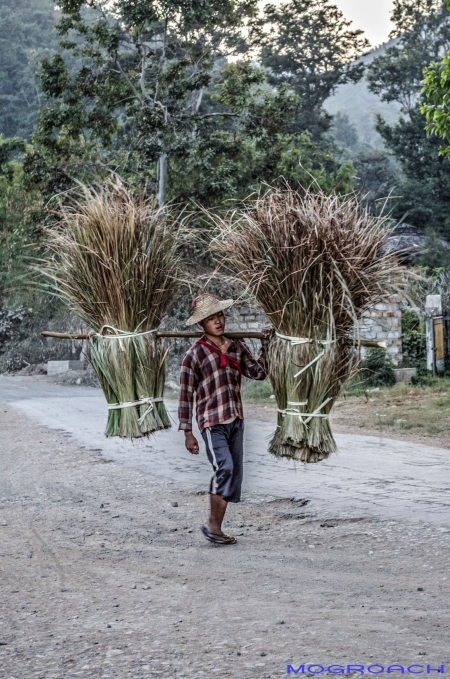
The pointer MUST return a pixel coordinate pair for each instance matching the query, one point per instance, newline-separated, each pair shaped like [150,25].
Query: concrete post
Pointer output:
[162,179]
[433,308]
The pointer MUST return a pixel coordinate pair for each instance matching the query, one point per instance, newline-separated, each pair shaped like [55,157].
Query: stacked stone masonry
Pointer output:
[382,323]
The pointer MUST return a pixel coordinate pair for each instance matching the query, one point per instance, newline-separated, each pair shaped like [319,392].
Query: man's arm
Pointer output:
[188,384]
[254,368]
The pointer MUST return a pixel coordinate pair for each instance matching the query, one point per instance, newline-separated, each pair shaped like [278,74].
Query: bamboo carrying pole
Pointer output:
[194,334]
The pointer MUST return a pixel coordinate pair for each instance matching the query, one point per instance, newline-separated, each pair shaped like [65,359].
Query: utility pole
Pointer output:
[162,179]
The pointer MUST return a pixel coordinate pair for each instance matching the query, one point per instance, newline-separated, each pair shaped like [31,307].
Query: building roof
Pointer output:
[408,242]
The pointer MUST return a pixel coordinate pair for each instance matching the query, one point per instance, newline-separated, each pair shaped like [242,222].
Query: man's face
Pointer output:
[214,325]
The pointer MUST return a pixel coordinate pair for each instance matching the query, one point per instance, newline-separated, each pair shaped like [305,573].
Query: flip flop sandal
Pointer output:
[226,539]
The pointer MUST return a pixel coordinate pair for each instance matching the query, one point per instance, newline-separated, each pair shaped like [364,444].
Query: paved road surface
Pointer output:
[371,476]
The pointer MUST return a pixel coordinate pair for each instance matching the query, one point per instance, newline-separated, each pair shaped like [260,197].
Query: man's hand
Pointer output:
[267,332]
[191,442]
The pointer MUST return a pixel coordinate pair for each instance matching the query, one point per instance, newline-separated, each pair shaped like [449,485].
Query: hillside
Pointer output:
[361,106]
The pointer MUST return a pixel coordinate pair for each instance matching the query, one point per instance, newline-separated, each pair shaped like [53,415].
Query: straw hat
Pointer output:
[207,305]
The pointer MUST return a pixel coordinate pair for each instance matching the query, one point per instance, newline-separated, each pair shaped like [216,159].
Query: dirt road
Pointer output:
[101,576]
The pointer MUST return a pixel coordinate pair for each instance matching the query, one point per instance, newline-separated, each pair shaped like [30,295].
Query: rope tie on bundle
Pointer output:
[303,340]
[296,341]
[309,416]
[121,334]
[141,402]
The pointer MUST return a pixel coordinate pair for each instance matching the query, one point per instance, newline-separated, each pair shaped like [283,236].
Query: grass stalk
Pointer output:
[115,259]
[314,263]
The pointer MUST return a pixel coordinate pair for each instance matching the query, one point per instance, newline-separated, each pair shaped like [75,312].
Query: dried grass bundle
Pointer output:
[314,263]
[115,262]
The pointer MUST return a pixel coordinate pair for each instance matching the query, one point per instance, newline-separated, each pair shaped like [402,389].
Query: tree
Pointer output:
[153,94]
[138,92]
[436,93]
[20,213]
[156,101]
[308,44]
[26,35]
[376,175]
[422,32]
[345,132]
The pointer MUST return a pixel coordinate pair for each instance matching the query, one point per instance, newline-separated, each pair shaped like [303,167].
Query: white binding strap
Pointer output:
[309,364]
[303,340]
[215,465]
[309,416]
[142,401]
[120,334]
[295,341]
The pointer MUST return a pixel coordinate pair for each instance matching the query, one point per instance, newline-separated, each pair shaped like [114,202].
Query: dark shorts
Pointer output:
[225,449]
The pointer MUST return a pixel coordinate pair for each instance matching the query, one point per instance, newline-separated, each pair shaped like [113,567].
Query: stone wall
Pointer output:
[243,317]
[383,322]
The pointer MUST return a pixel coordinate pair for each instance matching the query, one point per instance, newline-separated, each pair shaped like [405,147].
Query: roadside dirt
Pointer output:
[356,416]
[101,576]
[404,413]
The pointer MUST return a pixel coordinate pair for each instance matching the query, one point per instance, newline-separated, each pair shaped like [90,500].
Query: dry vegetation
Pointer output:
[403,411]
[314,263]
[115,262]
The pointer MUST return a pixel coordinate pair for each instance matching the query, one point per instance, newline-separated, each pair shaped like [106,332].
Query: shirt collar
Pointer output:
[205,339]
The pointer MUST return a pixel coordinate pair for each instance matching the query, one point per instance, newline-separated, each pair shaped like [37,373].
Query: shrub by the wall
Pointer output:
[376,370]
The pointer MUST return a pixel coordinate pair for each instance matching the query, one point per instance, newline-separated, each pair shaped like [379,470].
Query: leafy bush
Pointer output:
[377,370]
[21,321]
[256,391]
[413,341]
[10,323]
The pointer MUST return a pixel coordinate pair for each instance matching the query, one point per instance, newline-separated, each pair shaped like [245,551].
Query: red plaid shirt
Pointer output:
[217,389]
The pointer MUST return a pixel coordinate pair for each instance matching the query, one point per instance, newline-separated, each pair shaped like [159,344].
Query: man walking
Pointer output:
[211,371]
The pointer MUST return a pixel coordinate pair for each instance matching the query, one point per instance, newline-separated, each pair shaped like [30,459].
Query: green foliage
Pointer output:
[376,370]
[23,317]
[422,33]
[436,99]
[374,170]
[308,44]
[376,175]
[436,254]
[26,35]
[423,195]
[413,340]
[154,84]
[24,309]
[132,86]
[257,392]
[20,217]
[155,98]
[344,131]
[436,92]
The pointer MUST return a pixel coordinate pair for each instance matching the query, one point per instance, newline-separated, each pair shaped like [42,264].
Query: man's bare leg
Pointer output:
[213,529]
[218,507]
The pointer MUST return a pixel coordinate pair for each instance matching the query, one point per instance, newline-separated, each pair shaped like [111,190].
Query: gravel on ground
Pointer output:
[102,576]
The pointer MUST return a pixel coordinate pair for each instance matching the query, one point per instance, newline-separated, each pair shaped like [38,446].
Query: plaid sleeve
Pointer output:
[188,384]
[254,368]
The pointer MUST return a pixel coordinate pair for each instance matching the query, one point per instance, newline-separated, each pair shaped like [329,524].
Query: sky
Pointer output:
[370,15]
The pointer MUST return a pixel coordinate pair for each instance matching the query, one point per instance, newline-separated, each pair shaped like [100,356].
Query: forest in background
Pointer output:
[202,105]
